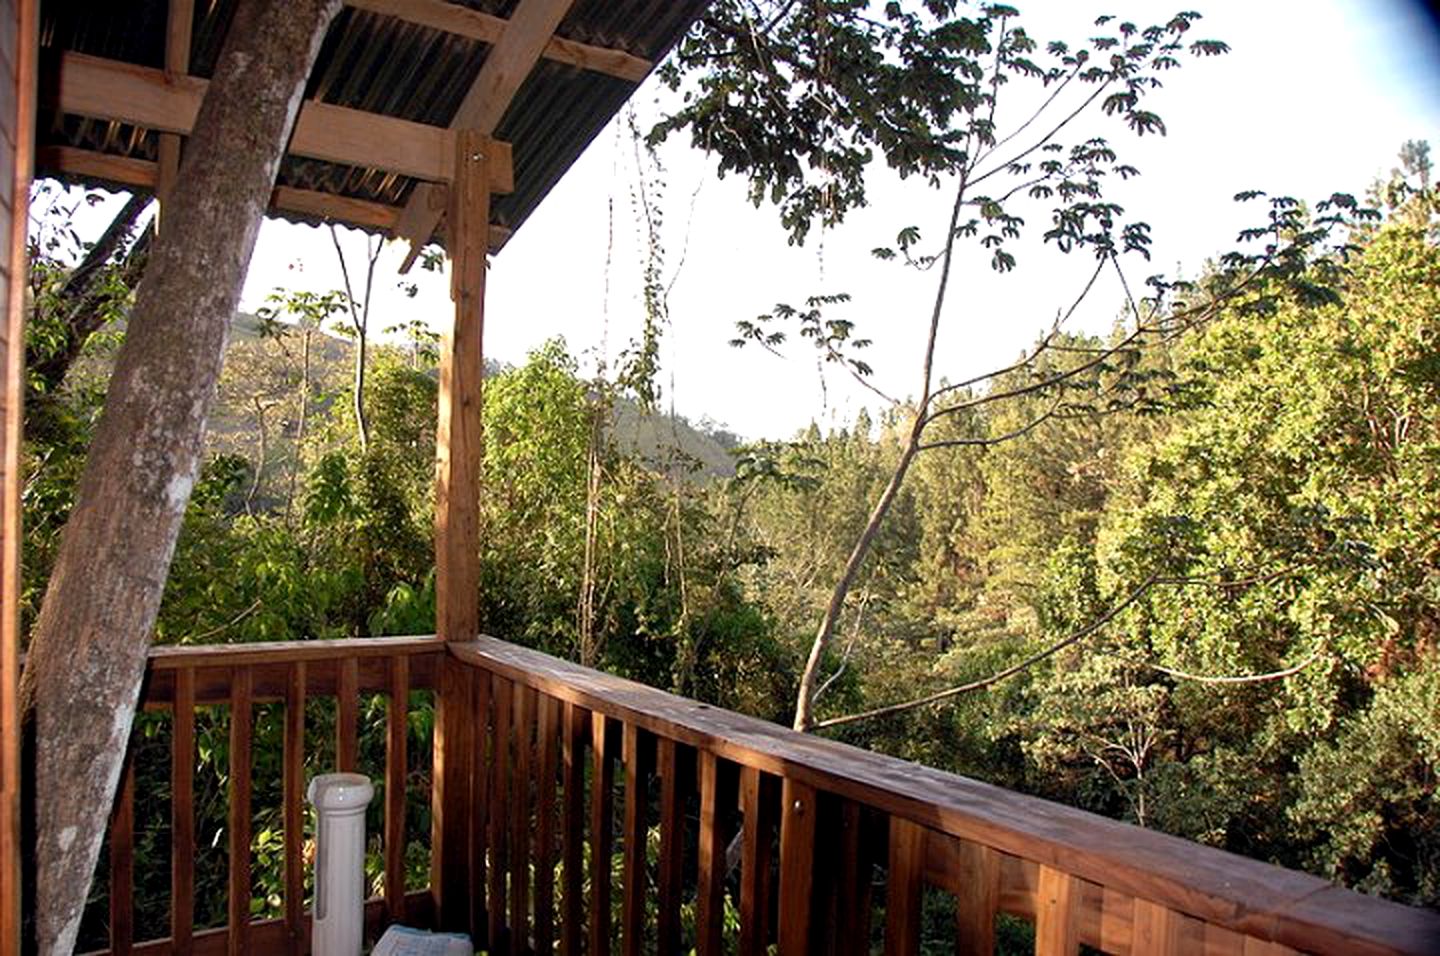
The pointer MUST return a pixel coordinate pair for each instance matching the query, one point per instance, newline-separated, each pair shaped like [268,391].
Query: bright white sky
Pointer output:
[1315,97]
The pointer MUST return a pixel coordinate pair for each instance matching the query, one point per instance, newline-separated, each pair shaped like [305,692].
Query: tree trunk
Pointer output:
[87,653]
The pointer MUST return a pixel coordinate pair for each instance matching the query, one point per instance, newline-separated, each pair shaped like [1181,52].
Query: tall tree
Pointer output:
[87,652]
[800,98]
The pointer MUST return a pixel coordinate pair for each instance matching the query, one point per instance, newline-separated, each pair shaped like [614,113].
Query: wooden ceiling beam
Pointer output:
[123,92]
[527,33]
[475,25]
[143,174]
[179,26]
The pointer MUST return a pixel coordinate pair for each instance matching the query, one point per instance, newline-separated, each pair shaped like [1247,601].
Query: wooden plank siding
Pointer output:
[18,51]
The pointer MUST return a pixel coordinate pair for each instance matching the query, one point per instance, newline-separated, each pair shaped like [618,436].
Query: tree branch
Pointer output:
[996,678]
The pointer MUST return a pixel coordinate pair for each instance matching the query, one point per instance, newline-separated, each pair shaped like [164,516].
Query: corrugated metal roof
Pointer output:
[383,65]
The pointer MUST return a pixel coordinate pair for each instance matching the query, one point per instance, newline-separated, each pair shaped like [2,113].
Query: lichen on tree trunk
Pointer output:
[87,652]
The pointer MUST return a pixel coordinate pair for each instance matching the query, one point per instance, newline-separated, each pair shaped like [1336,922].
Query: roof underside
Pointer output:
[388,59]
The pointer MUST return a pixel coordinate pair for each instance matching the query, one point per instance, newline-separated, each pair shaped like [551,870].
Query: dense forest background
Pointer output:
[1207,603]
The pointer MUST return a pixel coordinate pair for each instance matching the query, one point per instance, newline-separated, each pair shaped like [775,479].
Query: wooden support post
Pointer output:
[457,526]
[18,38]
[178,29]
[457,491]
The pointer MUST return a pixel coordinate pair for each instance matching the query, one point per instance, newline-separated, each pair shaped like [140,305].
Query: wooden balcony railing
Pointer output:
[237,678]
[579,812]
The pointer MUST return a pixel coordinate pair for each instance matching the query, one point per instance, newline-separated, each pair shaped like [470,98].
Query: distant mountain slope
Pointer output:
[666,443]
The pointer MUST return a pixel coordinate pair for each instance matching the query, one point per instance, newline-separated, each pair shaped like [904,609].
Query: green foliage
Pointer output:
[801,99]
[1266,484]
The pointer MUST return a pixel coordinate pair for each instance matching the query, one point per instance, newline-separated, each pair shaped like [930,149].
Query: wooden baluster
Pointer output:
[482,807]
[978,899]
[602,837]
[798,810]
[549,746]
[572,917]
[239,882]
[397,718]
[717,792]
[520,819]
[758,804]
[182,815]
[453,749]
[853,904]
[1154,929]
[122,862]
[501,694]
[674,785]
[347,696]
[638,749]
[1057,917]
[904,883]
[294,807]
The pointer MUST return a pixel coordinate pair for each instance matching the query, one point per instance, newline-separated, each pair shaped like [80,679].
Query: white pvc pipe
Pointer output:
[340,800]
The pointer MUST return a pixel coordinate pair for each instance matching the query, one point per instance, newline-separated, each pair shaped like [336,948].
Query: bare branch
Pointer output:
[1224,678]
[1046,343]
[1039,111]
[996,678]
[1029,426]
[1084,105]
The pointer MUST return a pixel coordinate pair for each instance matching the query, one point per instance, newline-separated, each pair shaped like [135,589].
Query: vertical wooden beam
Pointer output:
[482,806]
[576,730]
[293,811]
[239,878]
[347,716]
[519,808]
[757,801]
[502,695]
[717,792]
[602,834]
[1154,928]
[904,884]
[638,749]
[457,489]
[978,899]
[853,897]
[18,40]
[397,721]
[672,835]
[457,527]
[798,809]
[179,25]
[1057,914]
[122,864]
[182,815]
[450,799]
[545,818]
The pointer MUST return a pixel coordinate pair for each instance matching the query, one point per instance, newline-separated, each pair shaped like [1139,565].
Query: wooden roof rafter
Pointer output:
[475,25]
[123,92]
[144,174]
[396,82]
[524,41]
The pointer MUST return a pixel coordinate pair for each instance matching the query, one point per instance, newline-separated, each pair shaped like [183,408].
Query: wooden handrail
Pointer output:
[182,679]
[570,773]
[1065,854]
